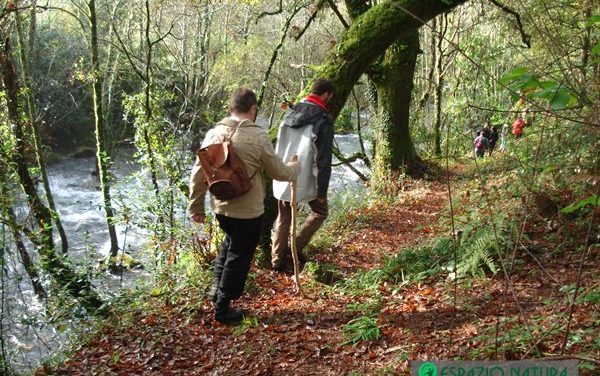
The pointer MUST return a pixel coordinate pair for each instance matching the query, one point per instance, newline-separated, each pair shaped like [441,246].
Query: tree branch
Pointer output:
[338,14]
[310,20]
[137,71]
[348,162]
[524,36]
[278,11]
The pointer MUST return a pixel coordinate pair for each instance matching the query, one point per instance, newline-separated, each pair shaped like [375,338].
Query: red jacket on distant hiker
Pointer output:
[517,126]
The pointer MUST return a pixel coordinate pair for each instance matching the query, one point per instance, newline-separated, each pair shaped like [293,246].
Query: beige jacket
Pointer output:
[253,146]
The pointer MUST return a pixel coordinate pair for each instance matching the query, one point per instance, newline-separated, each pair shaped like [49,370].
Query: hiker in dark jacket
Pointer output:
[493,139]
[306,131]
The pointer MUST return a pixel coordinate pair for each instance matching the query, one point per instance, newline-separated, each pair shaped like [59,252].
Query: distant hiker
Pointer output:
[240,218]
[487,131]
[306,131]
[517,126]
[480,144]
[493,139]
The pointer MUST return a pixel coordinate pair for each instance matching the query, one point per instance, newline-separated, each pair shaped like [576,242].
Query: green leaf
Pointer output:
[596,50]
[562,99]
[595,19]
[591,200]
[513,75]
[557,95]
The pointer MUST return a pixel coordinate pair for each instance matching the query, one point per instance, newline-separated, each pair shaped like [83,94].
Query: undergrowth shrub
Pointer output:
[363,328]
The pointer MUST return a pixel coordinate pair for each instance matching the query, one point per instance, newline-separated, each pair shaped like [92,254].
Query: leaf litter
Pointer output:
[291,335]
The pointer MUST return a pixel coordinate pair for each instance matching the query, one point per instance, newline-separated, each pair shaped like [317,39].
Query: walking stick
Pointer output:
[294,205]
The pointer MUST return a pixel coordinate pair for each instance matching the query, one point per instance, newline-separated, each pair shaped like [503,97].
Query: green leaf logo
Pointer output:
[427,369]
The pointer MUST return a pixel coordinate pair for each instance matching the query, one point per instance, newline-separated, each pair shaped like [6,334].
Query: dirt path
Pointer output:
[290,335]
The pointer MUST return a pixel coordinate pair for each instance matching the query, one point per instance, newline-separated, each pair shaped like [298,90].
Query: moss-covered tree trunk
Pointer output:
[439,84]
[100,129]
[394,82]
[370,35]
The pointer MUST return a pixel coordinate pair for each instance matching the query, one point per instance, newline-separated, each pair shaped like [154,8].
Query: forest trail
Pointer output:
[286,334]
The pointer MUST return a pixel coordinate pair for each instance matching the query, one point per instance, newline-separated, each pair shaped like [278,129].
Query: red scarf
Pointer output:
[313,98]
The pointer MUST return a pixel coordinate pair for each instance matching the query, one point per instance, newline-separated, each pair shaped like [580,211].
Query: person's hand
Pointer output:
[294,162]
[198,218]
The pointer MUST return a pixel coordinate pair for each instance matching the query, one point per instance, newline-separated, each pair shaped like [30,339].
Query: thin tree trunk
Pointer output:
[275,53]
[33,53]
[4,366]
[101,149]
[26,260]
[439,83]
[361,141]
[148,112]
[204,48]
[32,112]
[11,220]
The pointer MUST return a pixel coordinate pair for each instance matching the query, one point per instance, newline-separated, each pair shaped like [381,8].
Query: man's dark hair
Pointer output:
[242,100]
[322,86]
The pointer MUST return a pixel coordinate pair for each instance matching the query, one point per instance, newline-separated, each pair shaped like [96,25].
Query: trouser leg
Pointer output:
[281,233]
[219,261]
[243,236]
[318,213]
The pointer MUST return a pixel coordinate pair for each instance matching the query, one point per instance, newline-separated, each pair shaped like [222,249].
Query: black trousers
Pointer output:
[232,264]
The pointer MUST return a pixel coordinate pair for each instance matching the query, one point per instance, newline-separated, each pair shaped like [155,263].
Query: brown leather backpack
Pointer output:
[225,173]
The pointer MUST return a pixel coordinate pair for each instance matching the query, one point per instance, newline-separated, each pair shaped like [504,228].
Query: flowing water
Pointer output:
[28,336]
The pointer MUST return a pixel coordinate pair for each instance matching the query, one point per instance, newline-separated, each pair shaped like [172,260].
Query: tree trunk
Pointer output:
[394,83]
[439,84]
[32,112]
[274,55]
[148,114]
[103,159]
[26,260]
[9,217]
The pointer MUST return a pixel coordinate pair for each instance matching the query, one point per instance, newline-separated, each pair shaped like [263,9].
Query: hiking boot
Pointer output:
[212,293]
[227,315]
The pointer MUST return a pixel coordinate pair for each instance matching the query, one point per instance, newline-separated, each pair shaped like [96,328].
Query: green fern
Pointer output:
[479,250]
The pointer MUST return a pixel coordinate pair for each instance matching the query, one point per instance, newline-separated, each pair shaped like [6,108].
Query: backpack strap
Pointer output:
[228,139]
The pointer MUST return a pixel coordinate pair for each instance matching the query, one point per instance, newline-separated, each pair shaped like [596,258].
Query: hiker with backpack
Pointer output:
[480,144]
[306,131]
[240,218]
